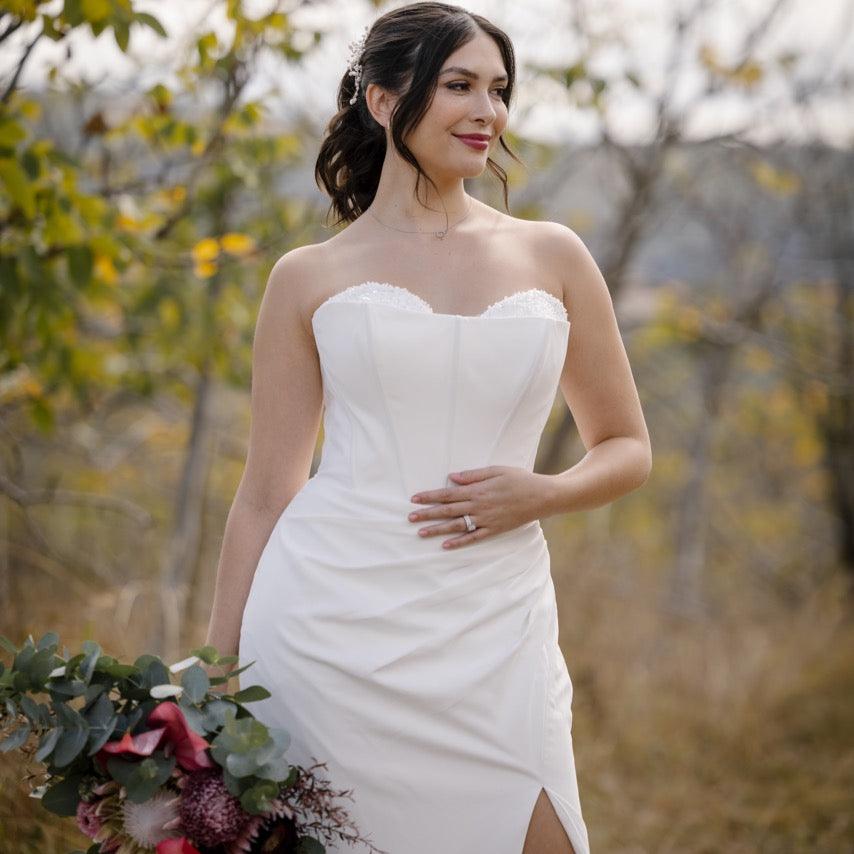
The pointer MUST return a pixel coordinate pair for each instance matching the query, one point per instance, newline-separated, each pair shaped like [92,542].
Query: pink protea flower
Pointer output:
[152,821]
[88,819]
[210,814]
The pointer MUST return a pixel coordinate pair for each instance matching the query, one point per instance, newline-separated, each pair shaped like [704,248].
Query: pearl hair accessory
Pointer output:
[353,65]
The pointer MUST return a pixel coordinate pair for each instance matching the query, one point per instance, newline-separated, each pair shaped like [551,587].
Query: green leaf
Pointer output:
[49,640]
[18,186]
[208,654]
[16,738]
[80,263]
[102,720]
[195,682]
[307,845]
[120,671]
[11,132]
[8,645]
[47,743]
[151,21]
[258,798]
[62,799]
[39,667]
[142,779]
[74,736]
[121,32]
[93,653]
[37,712]
[252,694]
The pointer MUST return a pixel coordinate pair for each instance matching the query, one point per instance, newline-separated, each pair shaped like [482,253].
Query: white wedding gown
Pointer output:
[429,680]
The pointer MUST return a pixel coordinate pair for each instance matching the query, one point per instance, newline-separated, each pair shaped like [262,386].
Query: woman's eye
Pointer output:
[500,89]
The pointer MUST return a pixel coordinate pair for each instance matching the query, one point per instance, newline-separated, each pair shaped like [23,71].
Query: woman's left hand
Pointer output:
[498,498]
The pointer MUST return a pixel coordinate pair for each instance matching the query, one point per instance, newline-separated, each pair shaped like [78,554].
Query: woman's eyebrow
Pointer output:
[456,69]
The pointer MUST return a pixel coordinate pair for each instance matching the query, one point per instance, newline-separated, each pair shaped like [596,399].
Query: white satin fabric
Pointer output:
[429,680]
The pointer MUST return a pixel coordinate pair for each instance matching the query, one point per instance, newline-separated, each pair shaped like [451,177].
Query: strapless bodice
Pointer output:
[411,394]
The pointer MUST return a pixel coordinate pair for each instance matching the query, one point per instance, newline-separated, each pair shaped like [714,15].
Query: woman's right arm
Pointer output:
[286,407]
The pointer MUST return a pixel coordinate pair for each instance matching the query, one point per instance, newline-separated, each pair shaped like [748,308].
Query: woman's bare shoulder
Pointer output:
[563,252]
[296,279]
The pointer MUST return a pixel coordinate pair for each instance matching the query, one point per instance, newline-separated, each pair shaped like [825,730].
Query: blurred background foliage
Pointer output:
[706,619]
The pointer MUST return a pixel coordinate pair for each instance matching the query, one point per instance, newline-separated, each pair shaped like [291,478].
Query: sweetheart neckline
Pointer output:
[428,309]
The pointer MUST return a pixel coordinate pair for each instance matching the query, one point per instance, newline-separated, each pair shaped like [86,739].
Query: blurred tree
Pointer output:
[146,285]
[758,75]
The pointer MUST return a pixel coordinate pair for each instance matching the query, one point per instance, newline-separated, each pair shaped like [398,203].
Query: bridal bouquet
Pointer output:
[145,765]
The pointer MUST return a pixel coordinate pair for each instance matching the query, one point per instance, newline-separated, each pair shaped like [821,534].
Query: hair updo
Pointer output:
[403,53]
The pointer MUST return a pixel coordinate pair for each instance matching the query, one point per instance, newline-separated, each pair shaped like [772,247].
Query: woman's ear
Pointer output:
[380,103]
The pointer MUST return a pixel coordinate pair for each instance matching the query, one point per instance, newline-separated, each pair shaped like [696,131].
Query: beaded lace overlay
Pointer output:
[532,302]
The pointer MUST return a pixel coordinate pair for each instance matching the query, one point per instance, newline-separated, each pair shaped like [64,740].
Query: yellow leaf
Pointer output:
[757,359]
[778,181]
[169,312]
[176,194]
[206,249]
[105,269]
[127,223]
[96,10]
[205,269]
[748,75]
[807,449]
[237,244]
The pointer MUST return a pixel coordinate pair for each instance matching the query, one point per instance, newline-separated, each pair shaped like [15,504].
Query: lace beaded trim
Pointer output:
[382,292]
[532,302]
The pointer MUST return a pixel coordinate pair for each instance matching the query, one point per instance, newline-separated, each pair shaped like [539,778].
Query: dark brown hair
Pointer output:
[403,53]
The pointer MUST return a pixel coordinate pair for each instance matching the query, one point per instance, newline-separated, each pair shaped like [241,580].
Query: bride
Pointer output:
[399,604]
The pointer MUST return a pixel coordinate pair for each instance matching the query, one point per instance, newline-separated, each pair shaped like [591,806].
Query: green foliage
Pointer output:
[100,295]
[116,699]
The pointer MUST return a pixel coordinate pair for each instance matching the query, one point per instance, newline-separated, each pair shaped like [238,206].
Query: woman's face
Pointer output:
[467,101]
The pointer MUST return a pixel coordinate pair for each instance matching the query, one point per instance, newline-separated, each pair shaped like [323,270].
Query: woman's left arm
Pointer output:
[599,389]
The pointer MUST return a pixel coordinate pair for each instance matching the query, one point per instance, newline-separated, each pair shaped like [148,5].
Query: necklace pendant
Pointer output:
[440,234]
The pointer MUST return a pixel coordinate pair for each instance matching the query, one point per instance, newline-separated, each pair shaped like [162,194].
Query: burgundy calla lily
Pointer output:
[141,744]
[189,747]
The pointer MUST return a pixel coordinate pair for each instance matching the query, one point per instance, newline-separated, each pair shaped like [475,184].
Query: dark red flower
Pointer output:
[189,747]
[141,744]
[181,845]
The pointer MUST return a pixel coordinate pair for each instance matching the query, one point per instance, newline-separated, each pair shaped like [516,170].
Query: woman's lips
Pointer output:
[472,142]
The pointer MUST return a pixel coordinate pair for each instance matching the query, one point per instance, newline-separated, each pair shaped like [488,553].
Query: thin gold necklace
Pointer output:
[440,234]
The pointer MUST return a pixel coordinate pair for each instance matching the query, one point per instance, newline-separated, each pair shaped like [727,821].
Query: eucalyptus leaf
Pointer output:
[93,653]
[258,797]
[36,712]
[97,743]
[208,654]
[71,742]
[47,743]
[40,667]
[252,694]
[277,769]
[195,682]
[49,640]
[98,717]
[16,738]
[67,688]
[62,798]
[241,765]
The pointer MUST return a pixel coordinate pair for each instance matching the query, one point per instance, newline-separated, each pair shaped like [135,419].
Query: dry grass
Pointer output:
[705,736]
